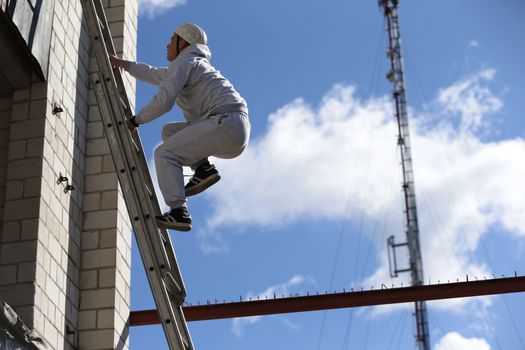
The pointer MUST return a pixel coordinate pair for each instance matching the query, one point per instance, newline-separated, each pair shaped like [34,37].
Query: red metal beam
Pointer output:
[338,300]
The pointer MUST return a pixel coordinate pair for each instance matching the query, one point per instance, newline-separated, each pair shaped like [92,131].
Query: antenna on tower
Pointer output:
[395,76]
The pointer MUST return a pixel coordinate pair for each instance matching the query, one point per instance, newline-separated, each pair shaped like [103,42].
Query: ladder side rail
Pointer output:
[134,149]
[174,325]
[169,265]
[125,145]
[125,177]
[154,271]
[143,199]
[145,178]
[184,343]
[141,195]
[142,161]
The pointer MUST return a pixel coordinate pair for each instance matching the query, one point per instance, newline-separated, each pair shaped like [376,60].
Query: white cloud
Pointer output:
[471,100]
[155,7]
[212,242]
[314,162]
[238,324]
[473,43]
[290,325]
[455,341]
[307,162]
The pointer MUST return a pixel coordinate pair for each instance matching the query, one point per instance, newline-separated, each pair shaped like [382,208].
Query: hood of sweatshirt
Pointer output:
[198,50]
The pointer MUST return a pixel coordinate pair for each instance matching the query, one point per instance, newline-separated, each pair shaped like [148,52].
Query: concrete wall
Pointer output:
[65,256]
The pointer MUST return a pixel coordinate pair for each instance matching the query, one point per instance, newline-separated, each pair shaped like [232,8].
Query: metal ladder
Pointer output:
[154,244]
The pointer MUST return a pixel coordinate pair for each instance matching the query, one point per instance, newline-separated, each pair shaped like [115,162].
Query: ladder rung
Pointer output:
[150,192]
[101,23]
[173,287]
[186,345]
[135,146]
[163,237]
[123,103]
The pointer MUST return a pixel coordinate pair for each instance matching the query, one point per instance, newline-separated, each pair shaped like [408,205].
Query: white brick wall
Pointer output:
[65,257]
[20,171]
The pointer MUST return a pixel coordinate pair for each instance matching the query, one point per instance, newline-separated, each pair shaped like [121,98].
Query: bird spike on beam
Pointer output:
[338,300]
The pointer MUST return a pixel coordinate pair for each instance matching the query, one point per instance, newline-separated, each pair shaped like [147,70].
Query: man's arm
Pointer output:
[169,88]
[141,71]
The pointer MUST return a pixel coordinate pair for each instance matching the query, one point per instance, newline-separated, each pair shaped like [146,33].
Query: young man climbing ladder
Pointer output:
[216,116]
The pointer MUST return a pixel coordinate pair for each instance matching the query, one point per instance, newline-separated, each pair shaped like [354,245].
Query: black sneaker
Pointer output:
[176,219]
[205,176]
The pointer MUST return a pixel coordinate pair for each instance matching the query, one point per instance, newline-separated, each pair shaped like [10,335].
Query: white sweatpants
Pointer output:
[189,144]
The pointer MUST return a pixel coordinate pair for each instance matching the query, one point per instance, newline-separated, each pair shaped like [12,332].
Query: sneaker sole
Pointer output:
[174,226]
[203,185]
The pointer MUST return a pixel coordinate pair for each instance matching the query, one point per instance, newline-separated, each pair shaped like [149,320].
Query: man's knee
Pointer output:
[166,133]
[160,152]
[171,128]
[164,153]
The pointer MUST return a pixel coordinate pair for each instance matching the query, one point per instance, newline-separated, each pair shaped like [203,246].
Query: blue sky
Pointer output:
[309,205]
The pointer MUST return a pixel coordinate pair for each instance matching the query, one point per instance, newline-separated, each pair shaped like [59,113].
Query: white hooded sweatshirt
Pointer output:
[192,83]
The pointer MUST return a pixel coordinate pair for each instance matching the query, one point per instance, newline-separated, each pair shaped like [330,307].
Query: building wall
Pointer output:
[20,228]
[65,256]
[5,120]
